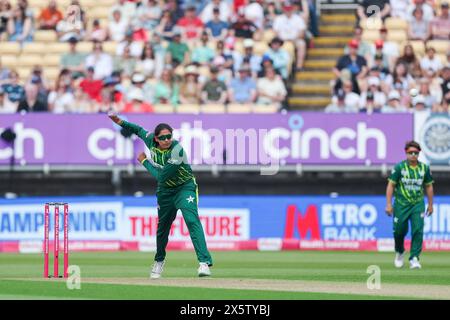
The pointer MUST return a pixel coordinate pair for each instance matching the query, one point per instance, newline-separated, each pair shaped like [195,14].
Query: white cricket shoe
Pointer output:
[398,262]
[157,269]
[203,270]
[414,263]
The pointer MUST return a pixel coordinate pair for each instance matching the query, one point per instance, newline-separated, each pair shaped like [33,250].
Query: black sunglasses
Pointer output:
[165,137]
[413,153]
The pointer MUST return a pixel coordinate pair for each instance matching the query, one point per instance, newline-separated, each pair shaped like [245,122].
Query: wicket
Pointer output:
[56,206]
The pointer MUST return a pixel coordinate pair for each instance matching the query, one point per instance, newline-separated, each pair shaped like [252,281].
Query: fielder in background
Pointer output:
[176,189]
[408,179]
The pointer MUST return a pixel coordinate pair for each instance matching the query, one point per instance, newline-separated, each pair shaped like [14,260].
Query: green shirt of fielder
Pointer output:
[177,190]
[168,166]
[407,182]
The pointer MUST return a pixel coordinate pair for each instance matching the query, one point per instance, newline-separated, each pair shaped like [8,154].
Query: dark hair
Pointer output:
[417,9]
[276,40]
[160,127]
[395,74]
[148,45]
[412,144]
[23,14]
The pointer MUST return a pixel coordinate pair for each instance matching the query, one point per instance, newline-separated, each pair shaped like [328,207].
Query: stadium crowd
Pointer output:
[168,52]
[379,73]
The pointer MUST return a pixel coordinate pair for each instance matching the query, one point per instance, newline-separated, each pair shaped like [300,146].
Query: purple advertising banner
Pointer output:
[291,138]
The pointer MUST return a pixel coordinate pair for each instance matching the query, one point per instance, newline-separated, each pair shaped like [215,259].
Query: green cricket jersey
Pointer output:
[169,167]
[409,182]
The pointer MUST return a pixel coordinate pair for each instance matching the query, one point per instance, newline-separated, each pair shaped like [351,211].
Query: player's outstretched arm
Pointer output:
[115,118]
[134,128]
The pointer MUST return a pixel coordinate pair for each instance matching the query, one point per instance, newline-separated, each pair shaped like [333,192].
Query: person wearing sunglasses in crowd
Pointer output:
[408,180]
[177,190]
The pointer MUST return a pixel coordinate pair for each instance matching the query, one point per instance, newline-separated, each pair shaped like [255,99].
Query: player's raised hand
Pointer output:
[115,118]
[389,210]
[141,157]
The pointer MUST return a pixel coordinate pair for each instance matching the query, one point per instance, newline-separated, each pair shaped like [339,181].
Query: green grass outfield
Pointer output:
[21,276]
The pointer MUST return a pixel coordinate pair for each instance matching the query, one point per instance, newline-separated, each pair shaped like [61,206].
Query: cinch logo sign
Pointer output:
[26,138]
[334,221]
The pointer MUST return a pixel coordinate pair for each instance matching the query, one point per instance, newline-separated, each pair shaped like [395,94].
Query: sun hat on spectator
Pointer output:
[373,81]
[244,68]
[394,95]
[138,78]
[191,69]
[248,43]
[420,99]
[136,94]
[176,31]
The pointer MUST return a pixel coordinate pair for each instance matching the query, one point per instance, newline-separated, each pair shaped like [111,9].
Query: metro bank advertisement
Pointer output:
[224,218]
